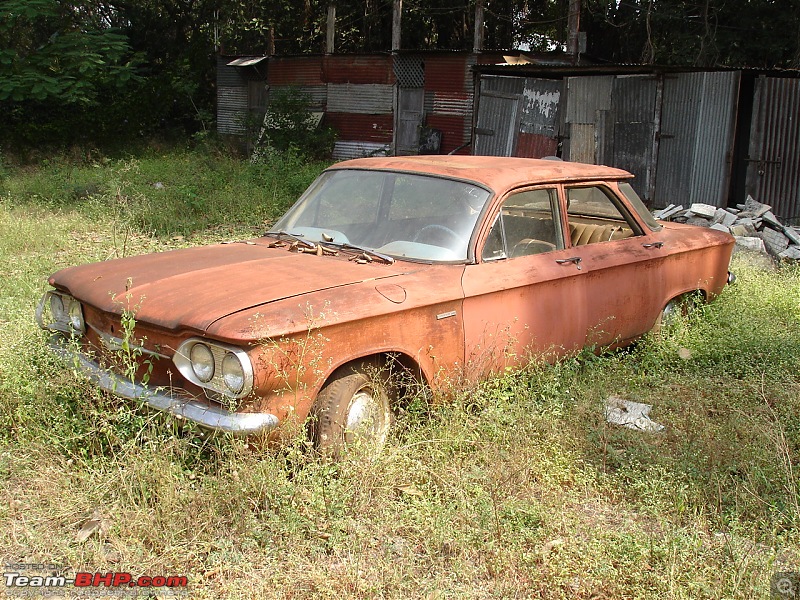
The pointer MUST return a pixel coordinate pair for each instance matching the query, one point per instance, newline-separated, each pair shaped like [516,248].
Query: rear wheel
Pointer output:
[677,307]
[352,408]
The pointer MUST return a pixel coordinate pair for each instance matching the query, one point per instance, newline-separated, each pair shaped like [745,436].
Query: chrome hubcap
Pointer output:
[366,418]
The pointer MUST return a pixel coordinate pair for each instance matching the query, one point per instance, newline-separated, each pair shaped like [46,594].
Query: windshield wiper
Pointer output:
[366,253]
[298,238]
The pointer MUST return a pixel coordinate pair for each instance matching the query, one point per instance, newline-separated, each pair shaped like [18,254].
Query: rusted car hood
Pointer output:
[195,287]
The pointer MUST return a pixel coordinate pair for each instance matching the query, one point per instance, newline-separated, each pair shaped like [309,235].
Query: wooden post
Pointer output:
[477,40]
[330,36]
[397,15]
[271,40]
[573,25]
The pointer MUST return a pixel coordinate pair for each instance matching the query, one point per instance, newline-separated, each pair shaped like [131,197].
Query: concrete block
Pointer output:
[756,207]
[792,253]
[668,212]
[720,227]
[775,241]
[703,210]
[752,244]
[770,219]
[748,227]
[792,234]
[698,221]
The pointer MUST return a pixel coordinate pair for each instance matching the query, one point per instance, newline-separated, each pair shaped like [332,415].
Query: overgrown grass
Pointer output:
[167,193]
[514,488]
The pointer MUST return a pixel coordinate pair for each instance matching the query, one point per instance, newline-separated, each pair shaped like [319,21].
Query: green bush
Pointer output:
[291,127]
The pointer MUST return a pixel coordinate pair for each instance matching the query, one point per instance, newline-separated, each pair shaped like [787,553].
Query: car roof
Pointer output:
[495,172]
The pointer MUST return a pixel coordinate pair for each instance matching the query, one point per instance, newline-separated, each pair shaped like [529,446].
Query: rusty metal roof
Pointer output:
[246,61]
[495,172]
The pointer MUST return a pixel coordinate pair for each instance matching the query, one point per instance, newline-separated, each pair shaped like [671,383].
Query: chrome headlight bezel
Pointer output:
[58,311]
[220,352]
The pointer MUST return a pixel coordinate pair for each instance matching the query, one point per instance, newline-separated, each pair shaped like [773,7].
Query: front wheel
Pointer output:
[352,408]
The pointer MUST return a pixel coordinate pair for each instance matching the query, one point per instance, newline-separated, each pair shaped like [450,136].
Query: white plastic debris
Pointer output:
[633,415]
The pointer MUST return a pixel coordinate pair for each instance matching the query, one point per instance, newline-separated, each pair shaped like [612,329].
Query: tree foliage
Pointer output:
[55,51]
[93,69]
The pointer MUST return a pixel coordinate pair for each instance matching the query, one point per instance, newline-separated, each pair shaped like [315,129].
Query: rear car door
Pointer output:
[524,296]
[622,261]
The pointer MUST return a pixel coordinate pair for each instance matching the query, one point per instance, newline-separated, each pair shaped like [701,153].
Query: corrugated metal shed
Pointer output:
[317,94]
[231,110]
[358,69]
[684,133]
[535,146]
[497,125]
[633,101]
[300,71]
[586,98]
[454,130]
[773,173]
[365,98]
[541,101]
[518,116]
[504,85]
[344,150]
[448,98]
[356,127]
[447,73]
[696,139]
[586,95]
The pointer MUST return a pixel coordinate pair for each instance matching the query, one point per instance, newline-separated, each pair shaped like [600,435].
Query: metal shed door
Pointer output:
[409,119]
[498,122]
[773,169]
[696,139]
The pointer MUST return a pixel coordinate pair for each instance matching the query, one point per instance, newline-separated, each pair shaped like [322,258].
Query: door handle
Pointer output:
[653,245]
[576,260]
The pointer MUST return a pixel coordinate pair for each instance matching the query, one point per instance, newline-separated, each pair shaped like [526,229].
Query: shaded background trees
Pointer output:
[96,70]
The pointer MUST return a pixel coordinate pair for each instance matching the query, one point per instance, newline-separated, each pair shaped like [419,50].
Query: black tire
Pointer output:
[352,408]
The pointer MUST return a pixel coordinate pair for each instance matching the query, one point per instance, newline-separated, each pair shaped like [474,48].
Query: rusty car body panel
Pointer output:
[298,305]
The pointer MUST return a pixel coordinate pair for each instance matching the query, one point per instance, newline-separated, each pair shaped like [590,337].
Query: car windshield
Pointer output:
[399,214]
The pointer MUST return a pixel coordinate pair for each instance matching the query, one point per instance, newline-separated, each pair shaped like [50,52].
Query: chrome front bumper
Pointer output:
[200,411]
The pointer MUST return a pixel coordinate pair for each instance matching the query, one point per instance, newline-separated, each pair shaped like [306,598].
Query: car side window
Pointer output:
[526,224]
[594,216]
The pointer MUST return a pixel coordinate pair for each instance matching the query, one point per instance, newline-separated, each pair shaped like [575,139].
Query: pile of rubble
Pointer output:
[752,224]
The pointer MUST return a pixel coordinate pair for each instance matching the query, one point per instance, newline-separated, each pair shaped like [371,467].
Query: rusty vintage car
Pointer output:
[451,266]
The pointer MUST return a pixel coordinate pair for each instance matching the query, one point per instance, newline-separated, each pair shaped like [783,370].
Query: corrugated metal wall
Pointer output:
[298,71]
[633,105]
[232,97]
[498,124]
[540,122]
[773,172]
[365,98]
[695,150]
[448,98]
[358,69]
[585,97]
[354,127]
[355,92]
[364,85]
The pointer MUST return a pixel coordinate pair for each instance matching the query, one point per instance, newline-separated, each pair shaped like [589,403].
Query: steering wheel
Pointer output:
[436,227]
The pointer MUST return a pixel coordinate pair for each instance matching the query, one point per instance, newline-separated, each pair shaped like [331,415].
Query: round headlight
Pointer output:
[56,307]
[202,362]
[76,316]
[233,373]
